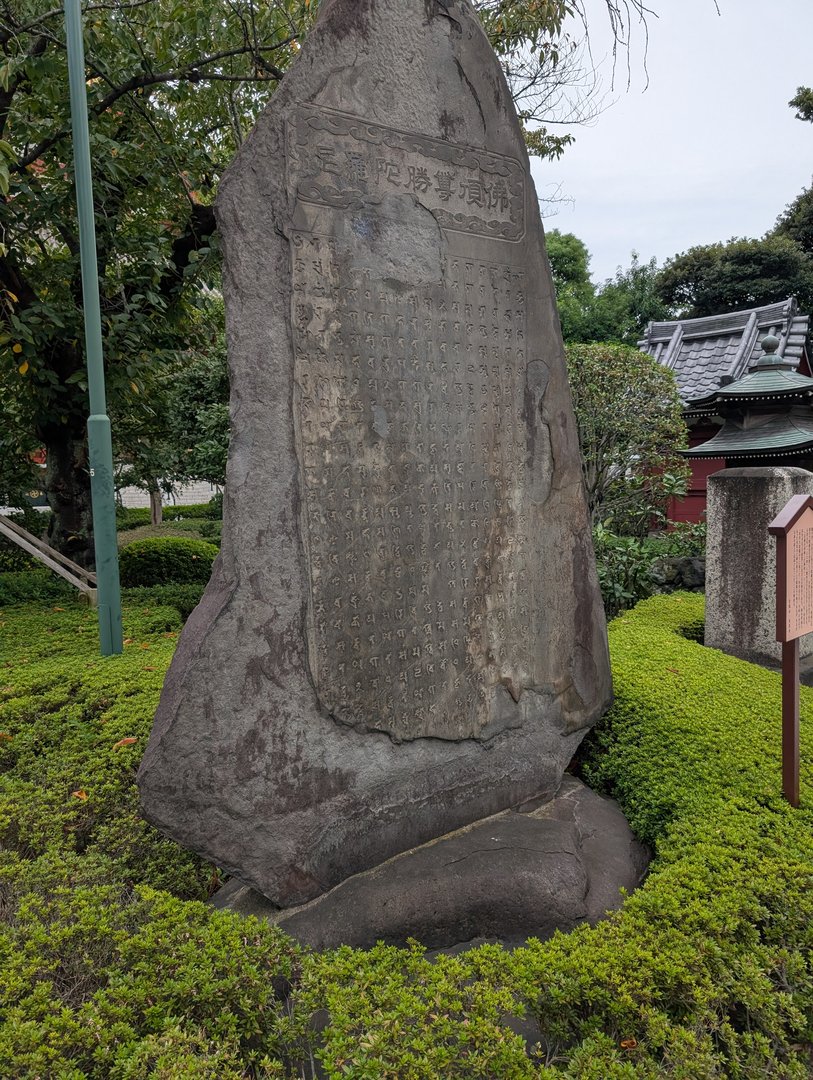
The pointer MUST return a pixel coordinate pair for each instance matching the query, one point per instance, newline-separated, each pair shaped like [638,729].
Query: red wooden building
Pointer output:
[708,354]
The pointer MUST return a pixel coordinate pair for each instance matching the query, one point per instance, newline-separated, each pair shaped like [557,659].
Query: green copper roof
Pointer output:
[766,382]
[776,437]
[771,377]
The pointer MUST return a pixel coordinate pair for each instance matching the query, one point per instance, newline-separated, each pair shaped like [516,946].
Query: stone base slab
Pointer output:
[509,877]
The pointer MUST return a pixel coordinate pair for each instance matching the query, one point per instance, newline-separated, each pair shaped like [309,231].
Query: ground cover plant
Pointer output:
[111,966]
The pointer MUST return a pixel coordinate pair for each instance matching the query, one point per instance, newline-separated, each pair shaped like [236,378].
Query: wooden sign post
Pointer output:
[793,529]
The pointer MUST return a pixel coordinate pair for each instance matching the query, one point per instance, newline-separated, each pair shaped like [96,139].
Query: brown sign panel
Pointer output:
[793,529]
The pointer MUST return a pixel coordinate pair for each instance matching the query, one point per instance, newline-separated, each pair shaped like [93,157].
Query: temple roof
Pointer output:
[771,380]
[758,437]
[707,353]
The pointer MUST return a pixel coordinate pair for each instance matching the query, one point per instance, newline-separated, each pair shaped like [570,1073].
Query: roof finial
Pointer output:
[770,344]
[770,359]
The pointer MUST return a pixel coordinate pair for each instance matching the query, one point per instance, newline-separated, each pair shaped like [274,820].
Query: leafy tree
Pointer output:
[631,430]
[797,221]
[625,305]
[619,310]
[802,102]
[570,268]
[186,435]
[715,278]
[173,88]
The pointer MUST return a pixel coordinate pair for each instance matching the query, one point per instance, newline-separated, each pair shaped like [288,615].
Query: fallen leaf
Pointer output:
[149,667]
[80,794]
[629,1044]
[5,735]
[145,644]
[59,609]
[125,742]
[674,670]
[128,641]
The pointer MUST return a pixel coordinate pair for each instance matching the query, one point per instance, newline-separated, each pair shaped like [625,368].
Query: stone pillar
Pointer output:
[741,559]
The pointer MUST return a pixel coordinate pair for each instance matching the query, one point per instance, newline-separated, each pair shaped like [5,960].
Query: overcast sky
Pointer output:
[709,150]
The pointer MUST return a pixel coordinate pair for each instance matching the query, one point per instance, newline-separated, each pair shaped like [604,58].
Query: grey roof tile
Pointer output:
[710,348]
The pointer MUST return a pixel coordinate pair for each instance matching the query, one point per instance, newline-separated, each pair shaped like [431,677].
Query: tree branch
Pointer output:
[189,73]
[13,280]
[7,33]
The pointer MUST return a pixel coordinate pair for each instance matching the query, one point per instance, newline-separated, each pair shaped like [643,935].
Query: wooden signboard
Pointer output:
[793,529]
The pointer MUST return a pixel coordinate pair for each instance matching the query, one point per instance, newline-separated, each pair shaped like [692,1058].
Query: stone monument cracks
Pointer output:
[403,633]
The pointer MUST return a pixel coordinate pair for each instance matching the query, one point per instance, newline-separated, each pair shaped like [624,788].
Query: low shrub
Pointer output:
[111,982]
[193,528]
[166,560]
[72,730]
[211,531]
[184,598]
[682,540]
[28,585]
[110,970]
[212,510]
[132,517]
[12,557]
[625,563]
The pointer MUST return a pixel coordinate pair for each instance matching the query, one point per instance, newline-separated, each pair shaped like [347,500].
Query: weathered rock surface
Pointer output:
[509,878]
[679,572]
[403,633]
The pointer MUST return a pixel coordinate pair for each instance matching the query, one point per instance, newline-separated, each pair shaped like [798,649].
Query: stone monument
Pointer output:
[403,633]
[741,559]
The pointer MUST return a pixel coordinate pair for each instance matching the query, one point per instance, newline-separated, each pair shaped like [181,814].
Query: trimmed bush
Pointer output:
[132,517]
[212,510]
[166,560]
[184,598]
[705,973]
[28,585]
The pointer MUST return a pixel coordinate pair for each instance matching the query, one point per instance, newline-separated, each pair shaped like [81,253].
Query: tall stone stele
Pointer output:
[403,633]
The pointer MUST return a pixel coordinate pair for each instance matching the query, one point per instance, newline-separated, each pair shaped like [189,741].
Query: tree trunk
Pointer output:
[156,505]
[67,485]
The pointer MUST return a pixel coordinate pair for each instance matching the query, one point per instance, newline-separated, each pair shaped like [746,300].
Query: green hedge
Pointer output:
[34,586]
[133,517]
[166,560]
[28,585]
[184,598]
[110,969]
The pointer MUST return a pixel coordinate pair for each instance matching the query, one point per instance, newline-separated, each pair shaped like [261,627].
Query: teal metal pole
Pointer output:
[100,444]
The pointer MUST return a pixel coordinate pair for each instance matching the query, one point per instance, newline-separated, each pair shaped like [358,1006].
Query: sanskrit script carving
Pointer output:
[412,445]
